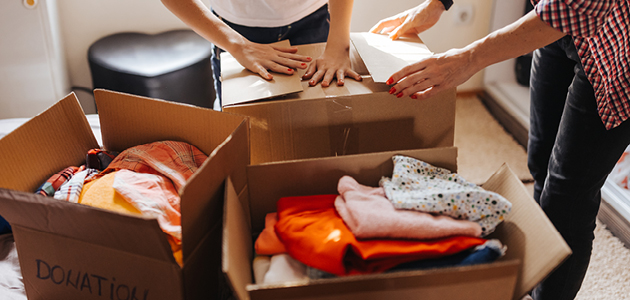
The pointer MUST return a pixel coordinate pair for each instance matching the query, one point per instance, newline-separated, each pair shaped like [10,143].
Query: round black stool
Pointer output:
[173,65]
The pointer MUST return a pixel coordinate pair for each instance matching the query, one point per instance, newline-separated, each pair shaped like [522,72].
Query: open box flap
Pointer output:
[62,129]
[240,85]
[384,57]
[123,232]
[237,243]
[129,120]
[203,195]
[534,230]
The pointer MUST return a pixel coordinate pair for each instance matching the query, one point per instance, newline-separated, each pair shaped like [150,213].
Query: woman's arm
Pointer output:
[452,68]
[335,62]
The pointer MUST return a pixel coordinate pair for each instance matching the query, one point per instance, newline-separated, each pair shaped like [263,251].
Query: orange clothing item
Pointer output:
[101,193]
[313,232]
[175,160]
[268,242]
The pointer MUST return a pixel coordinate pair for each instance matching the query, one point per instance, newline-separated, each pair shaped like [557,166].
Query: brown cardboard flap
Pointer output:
[383,57]
[301,129]
[203,195]
[237,243]
[129,120]
[481,282]
[85,223]
[526,239]
[61,129]
[321,176]
[240,85]
[58,267]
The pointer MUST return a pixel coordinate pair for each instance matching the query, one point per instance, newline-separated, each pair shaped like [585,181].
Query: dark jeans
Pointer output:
[570,154]
[310,29]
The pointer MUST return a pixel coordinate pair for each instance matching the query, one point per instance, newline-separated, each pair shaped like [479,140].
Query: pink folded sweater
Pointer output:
[369,214]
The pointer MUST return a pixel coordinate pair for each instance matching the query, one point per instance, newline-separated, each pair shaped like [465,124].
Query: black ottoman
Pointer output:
[173,65]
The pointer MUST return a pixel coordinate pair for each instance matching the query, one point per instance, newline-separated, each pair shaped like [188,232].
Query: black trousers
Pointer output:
[570,154]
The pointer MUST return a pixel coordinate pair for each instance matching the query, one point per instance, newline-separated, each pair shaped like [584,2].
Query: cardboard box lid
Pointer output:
[525,229]
[240,85]
[382,57]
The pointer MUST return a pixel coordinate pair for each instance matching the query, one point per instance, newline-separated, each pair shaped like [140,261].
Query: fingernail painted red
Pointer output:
[389,81]
[303,64]
[399,95]
[392,90]
[414,96]
[290,70]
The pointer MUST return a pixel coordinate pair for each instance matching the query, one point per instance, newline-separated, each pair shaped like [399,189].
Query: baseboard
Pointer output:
[517,130]
[614,212]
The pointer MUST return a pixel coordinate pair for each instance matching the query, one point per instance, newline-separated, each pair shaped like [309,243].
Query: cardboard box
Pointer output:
[74,251]
[525,264]
[290,120]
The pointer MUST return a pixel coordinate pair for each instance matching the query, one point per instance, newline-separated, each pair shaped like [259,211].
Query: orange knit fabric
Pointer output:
[313,233]
[267,242]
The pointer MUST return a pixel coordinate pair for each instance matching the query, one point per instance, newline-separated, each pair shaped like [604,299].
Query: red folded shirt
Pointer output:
[313,233]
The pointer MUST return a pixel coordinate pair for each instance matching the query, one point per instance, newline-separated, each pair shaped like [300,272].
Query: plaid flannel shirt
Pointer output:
[600,31]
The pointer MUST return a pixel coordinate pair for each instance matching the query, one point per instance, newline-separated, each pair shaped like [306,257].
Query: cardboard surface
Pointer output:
[525,229]
[241,85]
[334,126]
[124,254]
[384,57]
[358,117]
[54,129]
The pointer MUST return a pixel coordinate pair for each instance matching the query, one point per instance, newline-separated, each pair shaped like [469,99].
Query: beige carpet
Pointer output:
[484,146]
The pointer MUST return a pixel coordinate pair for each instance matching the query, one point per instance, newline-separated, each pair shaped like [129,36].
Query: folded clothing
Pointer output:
[369,214]
[486,253]
[315,234]
[417,185]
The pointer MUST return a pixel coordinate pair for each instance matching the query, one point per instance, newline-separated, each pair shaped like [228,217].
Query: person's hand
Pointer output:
[434,74]
[332,64]
[262,58]
[414,20]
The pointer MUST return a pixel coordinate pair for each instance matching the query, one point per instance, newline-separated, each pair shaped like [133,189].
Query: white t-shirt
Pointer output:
[265,13]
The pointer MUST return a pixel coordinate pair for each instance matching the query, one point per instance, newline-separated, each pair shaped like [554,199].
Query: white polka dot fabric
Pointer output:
[417,185]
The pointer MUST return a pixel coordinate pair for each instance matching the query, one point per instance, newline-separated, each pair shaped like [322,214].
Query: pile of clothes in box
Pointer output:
[422,217]
[141,180]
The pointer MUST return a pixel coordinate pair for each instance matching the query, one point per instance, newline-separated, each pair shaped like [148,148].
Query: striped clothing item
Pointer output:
[71,190]
[51,185]
[600,31]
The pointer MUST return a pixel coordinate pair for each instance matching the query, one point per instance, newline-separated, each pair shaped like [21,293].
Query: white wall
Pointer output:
[445,35]
[82,22]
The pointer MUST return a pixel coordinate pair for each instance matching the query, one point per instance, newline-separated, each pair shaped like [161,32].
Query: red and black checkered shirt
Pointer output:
[600,31]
